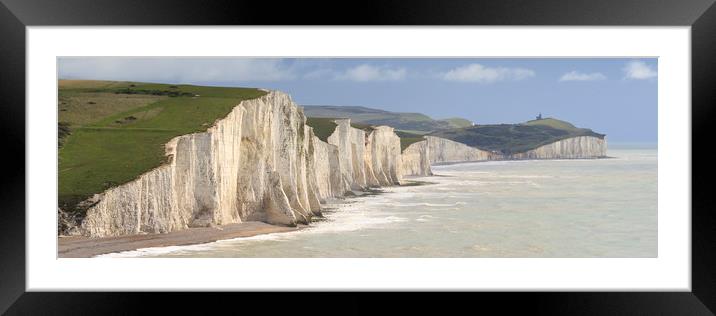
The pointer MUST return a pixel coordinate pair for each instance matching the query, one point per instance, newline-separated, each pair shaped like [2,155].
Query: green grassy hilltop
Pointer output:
[111,132]
[516,138]
[553,123]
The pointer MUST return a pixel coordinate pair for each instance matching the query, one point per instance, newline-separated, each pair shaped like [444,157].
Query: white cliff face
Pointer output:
[351,148]
[382,157]
[193,190]
[443,150]
[571,148]
[415,159]
[259,163]
[367,159]
[325,163]
[251,165]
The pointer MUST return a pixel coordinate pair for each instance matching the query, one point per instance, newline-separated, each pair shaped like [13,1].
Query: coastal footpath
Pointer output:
[263,163]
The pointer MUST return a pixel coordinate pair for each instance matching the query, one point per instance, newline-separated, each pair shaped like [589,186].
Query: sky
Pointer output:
[614,96]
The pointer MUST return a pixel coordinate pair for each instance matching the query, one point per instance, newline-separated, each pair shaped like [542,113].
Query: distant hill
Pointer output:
[504,138]
[411,122]
[552,122]
[457,122]
[516,138]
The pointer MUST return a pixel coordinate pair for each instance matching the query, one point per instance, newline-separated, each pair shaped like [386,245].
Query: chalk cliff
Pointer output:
[372,157]
[324,162]
[443,150]
[415,159]
[382,157]
[351,150]
[259,163]
[571,148]
[249,165]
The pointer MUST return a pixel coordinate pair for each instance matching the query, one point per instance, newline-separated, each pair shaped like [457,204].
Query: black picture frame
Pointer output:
[16,15]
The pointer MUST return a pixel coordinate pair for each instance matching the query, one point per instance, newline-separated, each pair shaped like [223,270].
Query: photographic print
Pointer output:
[437,147]
[357,157]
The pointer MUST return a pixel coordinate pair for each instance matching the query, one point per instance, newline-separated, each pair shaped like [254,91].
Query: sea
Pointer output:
[585,208]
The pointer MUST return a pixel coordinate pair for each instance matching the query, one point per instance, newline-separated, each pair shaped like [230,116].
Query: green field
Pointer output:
[117,130]
[553,123]
[457,122]
[408,138]
[365,127]
[323,127]
[516,138]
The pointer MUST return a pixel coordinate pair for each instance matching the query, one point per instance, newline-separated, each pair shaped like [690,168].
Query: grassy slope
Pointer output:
[552,122]
[323,127]
[407,139]
[457,122]
[125,140]
[365,127]
[80,108]
[515,138]
[414,122]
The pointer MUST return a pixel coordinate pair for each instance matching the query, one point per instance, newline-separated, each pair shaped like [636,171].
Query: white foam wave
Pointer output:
[524,176]
[425,218]
[156,251]
[423,204]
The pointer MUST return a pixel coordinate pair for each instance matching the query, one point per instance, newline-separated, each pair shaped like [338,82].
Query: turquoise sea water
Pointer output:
[538,208]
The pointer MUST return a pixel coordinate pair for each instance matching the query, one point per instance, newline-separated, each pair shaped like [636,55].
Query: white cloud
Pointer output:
[638,70]
[483,74]
[320,73]
[367,72]
[363,73]
[179,70]
[578,76]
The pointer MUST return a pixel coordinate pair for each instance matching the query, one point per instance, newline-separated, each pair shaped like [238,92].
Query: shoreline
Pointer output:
[86,247]
[449,163]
